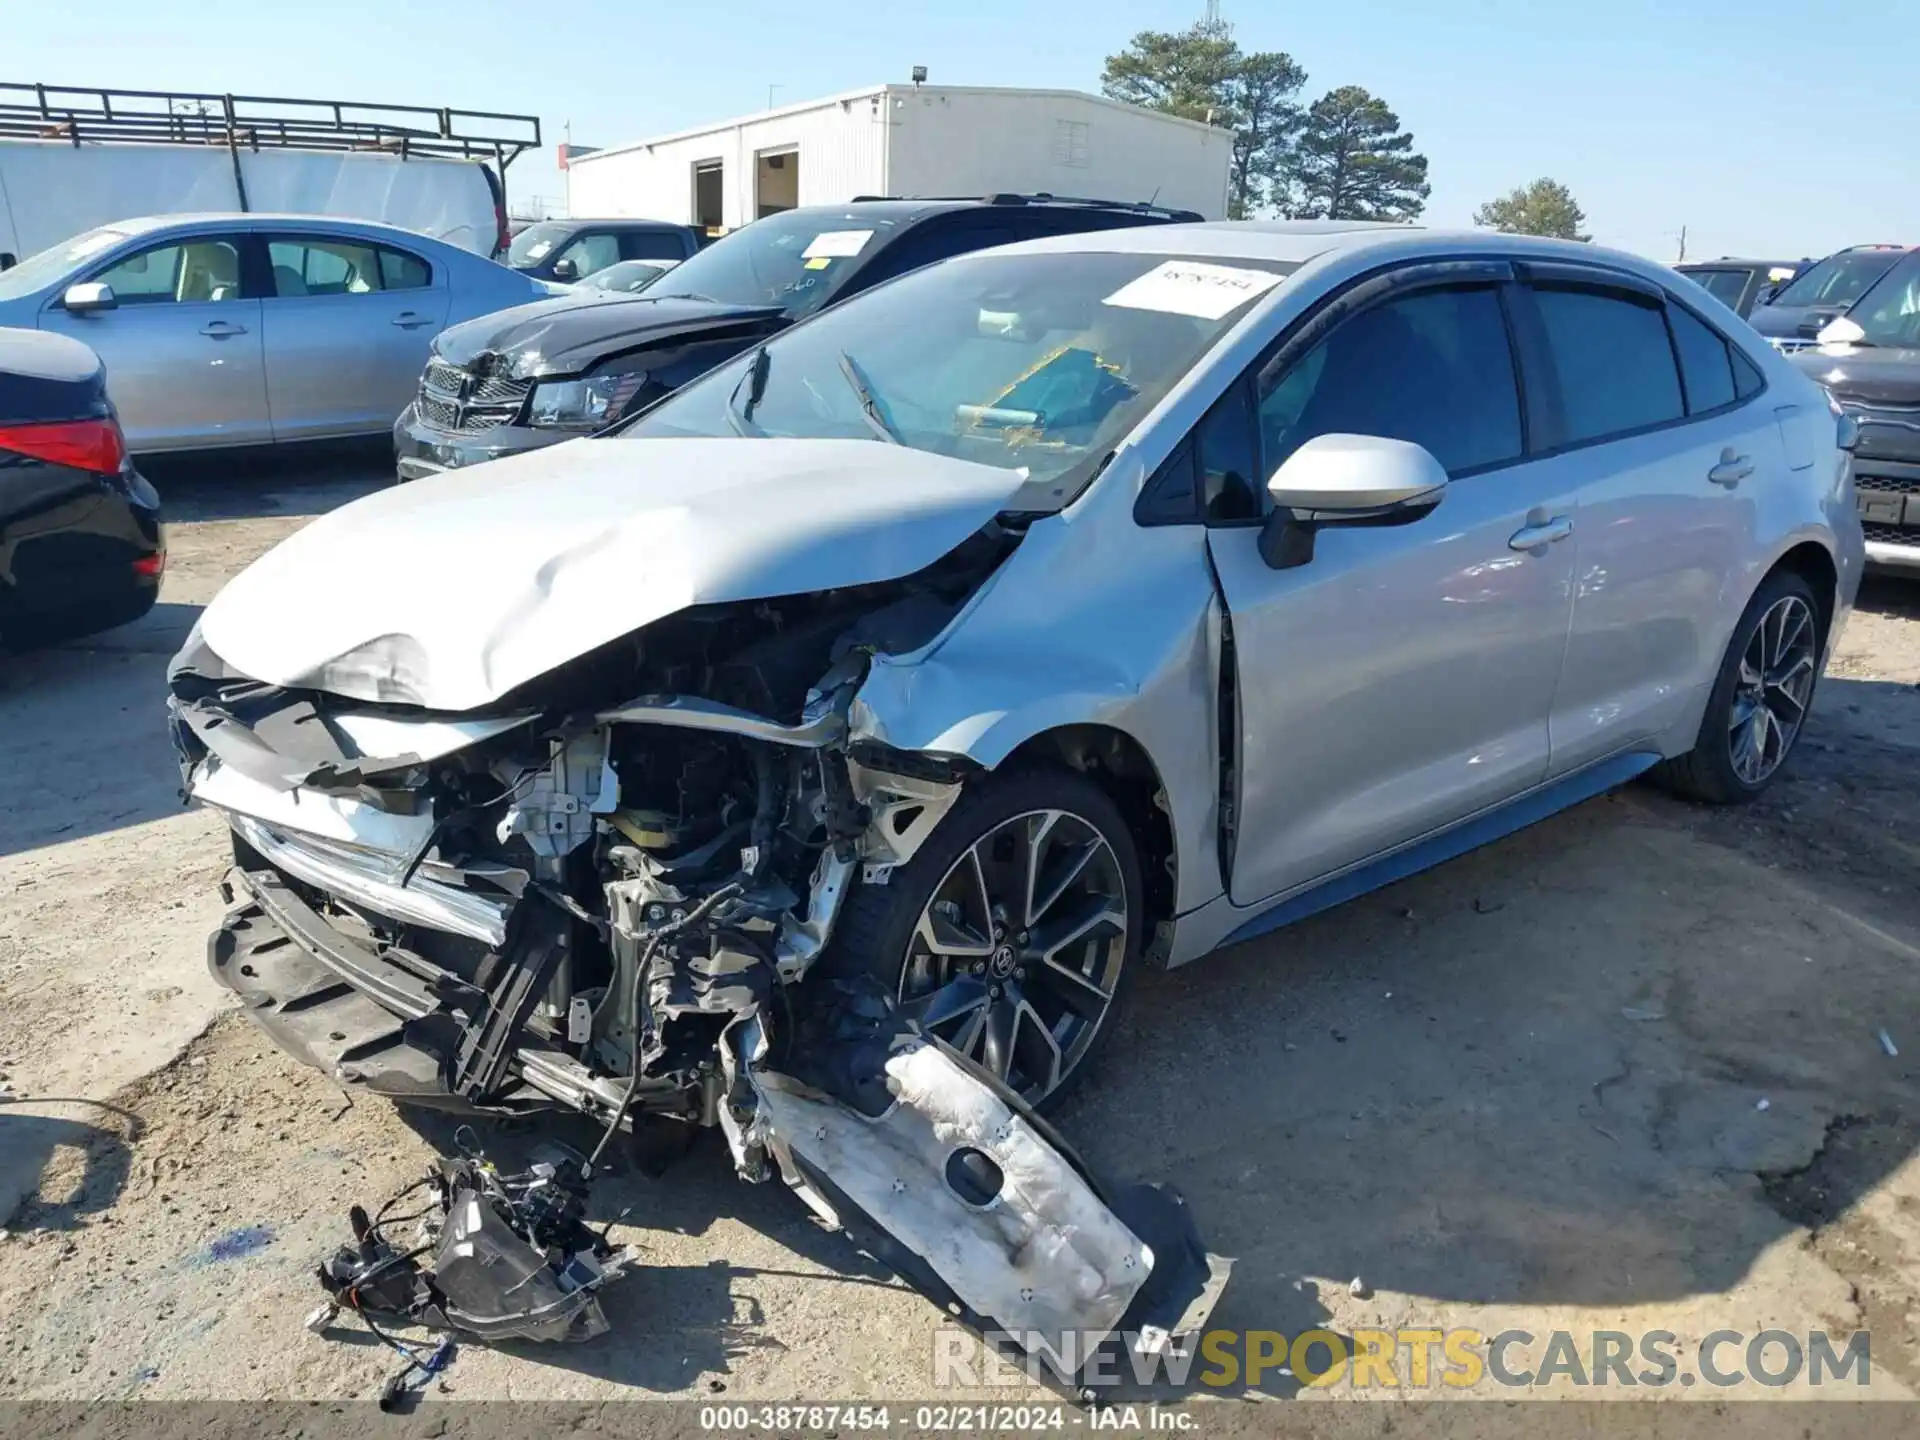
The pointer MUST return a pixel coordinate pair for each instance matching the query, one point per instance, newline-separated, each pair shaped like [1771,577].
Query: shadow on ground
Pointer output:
[245,484]
[84,728]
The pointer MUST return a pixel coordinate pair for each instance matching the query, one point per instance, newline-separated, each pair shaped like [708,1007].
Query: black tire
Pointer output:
[875,931]
[1709,772]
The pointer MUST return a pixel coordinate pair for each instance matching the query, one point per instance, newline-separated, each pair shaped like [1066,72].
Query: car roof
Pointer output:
[1298,241]
[157,224]
[632,222]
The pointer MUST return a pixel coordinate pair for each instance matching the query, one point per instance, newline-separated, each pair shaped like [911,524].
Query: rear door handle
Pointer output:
[411,319]
[1732,469]
[1536,538]
[221,329]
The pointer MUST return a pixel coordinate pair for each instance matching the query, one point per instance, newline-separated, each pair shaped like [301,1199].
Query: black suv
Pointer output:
[569,250]
[1740,285]
[1793,318]
[560,368]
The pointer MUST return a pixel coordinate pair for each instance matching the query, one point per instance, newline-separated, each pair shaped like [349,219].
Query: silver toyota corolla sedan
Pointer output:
[1042,615]
[256,329]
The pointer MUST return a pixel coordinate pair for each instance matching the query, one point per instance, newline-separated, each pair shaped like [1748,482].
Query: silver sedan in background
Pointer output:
[252,329]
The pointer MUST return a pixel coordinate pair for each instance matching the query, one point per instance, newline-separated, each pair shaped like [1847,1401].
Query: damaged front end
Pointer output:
[627,909]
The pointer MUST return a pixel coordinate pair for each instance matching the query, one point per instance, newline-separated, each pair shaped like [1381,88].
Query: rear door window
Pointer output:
[1610,353]
[335,265]
[1435,367]
[652,245]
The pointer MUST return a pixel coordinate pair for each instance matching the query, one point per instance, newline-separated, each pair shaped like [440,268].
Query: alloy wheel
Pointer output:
[1773,690]
[1017,954]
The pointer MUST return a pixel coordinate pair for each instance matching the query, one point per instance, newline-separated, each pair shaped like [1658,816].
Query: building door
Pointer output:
[776,182]
[708,217]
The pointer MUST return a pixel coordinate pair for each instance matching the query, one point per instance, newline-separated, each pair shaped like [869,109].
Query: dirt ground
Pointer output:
[1623,1071]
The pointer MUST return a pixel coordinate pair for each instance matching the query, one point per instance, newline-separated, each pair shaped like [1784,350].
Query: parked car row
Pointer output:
[251,329]
[547,372]
[1852,322]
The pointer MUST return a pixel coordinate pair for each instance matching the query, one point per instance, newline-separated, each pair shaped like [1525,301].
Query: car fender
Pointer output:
[1088,622]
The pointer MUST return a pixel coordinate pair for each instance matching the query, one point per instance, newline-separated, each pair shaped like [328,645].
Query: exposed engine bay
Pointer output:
[616,891]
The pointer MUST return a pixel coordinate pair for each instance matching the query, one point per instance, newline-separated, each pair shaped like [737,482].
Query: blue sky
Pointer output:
[1760,126]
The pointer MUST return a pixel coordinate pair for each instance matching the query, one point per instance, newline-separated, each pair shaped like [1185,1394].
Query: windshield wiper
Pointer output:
[869,407]
[739,416]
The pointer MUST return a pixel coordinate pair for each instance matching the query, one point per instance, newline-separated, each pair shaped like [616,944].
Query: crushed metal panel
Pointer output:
[1042,1255]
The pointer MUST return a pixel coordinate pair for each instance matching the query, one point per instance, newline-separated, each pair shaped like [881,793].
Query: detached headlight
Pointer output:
[583,404]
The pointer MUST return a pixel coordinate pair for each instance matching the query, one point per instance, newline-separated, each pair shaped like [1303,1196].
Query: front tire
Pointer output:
[1023,911]
[1760,699]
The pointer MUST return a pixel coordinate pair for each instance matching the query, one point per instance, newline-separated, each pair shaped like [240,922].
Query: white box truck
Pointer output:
[72,159]
[909,140]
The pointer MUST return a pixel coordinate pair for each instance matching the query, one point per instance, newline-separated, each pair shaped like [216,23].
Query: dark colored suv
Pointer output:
[1793,318]
[1870,364]
[1740,285]
[569,250]
[557,369]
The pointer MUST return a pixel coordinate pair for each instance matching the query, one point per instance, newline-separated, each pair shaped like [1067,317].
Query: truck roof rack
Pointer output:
[260,122]
[1143,207]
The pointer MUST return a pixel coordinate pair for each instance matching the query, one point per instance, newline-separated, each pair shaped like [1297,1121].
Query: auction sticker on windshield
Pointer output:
[835,244]
[1186,287]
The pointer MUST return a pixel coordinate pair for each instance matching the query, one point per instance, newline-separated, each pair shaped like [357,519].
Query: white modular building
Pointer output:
[909,140]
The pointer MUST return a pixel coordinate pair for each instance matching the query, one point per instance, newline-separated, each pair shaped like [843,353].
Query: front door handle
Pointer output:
[1536,538]
[1732,469]
[411,319]
[221,329]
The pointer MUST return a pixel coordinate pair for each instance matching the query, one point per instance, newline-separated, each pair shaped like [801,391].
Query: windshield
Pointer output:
[1890,313]
[794,260]
[534,244]
[1839,279]
[36,272]
[1035,362]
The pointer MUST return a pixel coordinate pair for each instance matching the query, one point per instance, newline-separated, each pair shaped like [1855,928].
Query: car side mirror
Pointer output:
[565,271]
[1841,330]
[1346,480]
[88,297]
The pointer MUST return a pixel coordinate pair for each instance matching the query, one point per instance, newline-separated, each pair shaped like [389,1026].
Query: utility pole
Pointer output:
[770,90]
[1683,245]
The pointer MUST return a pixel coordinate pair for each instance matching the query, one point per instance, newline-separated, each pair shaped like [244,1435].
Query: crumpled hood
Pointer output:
[451,591]
[569,333]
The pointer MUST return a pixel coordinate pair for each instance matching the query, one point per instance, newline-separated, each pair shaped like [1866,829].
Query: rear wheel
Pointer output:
[1760,699]
[1020,919]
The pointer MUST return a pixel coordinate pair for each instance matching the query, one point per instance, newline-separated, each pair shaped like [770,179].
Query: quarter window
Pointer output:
[1435,368]
[1706,364]
[1229,466]
[1613,360]
[191,271]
